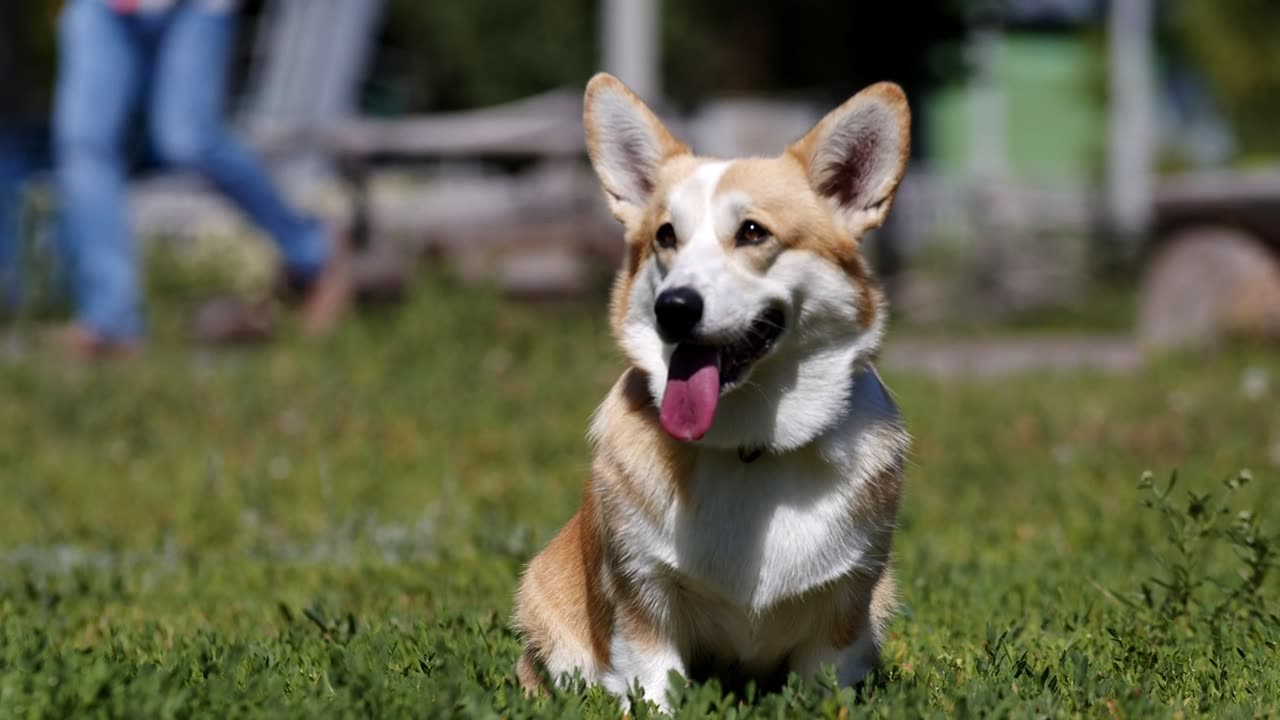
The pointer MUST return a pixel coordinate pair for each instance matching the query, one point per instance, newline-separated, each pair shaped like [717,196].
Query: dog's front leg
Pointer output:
[643,652]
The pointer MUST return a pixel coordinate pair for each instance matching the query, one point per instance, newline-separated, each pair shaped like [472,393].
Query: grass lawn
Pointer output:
[336,530]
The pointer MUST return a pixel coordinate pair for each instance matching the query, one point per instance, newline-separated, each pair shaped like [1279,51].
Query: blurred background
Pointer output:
[327,525]
[1110,166]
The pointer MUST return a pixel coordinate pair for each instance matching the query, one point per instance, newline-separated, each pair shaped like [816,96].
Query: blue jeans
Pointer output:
[173,65]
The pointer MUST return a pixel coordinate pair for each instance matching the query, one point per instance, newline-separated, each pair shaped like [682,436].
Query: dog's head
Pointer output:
[743,295]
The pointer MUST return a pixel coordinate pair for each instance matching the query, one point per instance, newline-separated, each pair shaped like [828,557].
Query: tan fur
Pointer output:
[562,596]
[884,601]
[636,458]
[527,672]
[560,600]
[577,599]
[779,189]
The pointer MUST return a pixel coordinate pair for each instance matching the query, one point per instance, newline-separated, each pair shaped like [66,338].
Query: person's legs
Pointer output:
[101,70]
[189,130]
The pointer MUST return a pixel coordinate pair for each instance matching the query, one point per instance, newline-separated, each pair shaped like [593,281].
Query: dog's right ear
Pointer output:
[627,144]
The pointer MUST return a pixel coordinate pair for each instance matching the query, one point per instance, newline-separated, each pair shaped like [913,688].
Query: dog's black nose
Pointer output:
[678,310]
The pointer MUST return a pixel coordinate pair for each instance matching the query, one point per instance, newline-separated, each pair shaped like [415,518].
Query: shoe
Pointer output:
[322,299]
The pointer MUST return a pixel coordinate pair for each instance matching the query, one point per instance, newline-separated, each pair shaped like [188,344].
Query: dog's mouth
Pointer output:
[699,373]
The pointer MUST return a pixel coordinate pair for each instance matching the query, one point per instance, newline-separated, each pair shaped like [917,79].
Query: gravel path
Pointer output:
[998,357]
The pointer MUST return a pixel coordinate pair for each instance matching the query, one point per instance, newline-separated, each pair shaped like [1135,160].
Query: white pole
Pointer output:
[988,160]
[1131,117]
[631,45]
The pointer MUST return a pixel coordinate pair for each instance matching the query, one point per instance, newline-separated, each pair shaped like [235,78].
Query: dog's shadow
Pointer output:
[753,689]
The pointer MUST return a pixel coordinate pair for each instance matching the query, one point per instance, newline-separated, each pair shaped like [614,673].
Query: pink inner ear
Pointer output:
[627,153]
[851,163]
[638,166]
[626,140]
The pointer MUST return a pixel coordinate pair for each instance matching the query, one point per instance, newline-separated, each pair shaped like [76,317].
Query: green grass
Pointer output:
[336,530]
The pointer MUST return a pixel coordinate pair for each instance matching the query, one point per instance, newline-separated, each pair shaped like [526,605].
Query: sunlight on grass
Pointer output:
[337,528]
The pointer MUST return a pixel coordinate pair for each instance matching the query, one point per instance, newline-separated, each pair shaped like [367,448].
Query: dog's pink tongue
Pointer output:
[693,389]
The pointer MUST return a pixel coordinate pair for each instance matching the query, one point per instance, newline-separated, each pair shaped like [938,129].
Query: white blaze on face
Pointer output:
[702,218]
[691,206]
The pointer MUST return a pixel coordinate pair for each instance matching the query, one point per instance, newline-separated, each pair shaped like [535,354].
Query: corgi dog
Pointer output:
[748,463]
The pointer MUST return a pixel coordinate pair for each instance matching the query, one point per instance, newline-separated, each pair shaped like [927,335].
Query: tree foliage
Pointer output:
[1234,43]
[453,55]
[440,56]
[833,49]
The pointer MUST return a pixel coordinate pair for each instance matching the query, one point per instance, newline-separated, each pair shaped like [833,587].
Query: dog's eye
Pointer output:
[666,236]
[751,233]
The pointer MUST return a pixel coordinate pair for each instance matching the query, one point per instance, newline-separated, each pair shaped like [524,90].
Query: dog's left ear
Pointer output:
[857,154]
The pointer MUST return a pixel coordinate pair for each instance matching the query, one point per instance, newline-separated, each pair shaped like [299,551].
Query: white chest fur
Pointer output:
[755,534]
